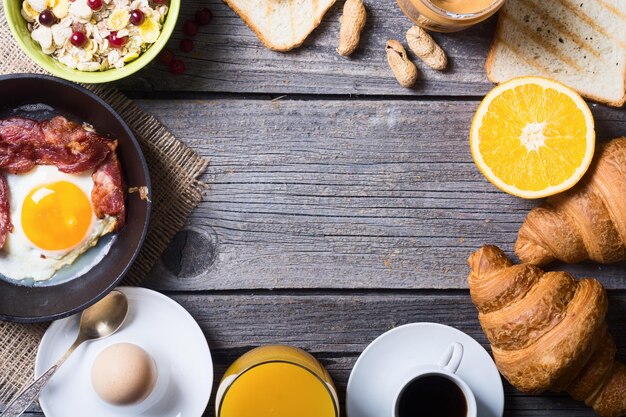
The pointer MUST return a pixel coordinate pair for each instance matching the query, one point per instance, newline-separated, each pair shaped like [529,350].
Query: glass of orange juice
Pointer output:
[276,381]
[449,15]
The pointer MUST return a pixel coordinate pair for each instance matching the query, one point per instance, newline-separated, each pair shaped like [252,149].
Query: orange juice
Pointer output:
[278,389]
[276,381]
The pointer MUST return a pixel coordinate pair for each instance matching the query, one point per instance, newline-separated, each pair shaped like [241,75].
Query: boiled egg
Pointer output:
[123,374]
[53,222]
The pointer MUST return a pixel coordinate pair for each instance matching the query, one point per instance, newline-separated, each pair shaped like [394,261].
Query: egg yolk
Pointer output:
[56,216]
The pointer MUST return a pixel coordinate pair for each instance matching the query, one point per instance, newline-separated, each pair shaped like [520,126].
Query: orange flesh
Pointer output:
[553,127]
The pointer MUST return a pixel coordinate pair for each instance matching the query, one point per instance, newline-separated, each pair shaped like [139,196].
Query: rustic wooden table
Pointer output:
[340,204]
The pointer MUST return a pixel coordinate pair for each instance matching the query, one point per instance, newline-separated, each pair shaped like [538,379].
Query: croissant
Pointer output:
[548,331]
[586,222]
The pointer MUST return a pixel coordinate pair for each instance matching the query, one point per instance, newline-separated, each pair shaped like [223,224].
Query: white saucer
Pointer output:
[370,393]
[156,323]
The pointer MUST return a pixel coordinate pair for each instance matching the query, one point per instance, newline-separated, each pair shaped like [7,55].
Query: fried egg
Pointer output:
[53,222]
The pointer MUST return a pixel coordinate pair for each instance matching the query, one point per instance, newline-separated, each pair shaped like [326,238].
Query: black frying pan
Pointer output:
[42,97]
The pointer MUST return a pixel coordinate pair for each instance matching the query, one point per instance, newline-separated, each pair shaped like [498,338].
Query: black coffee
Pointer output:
[432,396]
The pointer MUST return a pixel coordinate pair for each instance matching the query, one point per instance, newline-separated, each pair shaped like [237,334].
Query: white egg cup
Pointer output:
[158,391]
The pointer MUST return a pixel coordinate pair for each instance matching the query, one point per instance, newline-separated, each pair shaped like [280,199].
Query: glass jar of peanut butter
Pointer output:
[449,15]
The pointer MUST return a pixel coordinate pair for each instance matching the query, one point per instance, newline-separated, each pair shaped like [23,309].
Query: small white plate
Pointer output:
[156,323]
[370,388]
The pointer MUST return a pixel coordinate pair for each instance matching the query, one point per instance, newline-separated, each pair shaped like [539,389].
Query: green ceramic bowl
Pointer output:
[20,31]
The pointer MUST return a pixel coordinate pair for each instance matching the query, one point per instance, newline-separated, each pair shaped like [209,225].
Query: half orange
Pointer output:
[533,137]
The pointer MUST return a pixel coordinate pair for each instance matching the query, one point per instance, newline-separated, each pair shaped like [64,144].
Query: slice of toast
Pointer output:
[281,24]
[581,43]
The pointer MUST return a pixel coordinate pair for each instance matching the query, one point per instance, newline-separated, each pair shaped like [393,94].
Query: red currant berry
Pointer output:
[94,4]
[47,18]
[115,41]
[204,16]
[78,39]
[190,28]
[186,45]
[166,57]
[177,67]
[159,1]
[137,17]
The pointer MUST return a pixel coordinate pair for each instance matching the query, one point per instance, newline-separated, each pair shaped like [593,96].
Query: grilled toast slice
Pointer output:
[581,43]
[281,24]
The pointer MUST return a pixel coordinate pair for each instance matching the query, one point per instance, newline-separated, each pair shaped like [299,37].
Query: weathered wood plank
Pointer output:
[341,194]
[336,328]
[228,57]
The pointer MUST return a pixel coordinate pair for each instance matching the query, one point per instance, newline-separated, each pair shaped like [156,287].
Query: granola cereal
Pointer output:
[94,35]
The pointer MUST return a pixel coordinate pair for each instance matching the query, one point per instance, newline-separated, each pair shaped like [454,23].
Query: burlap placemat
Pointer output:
[176,190]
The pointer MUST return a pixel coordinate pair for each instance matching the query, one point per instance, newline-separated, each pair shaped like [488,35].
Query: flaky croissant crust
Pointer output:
[586,222]
[547,330]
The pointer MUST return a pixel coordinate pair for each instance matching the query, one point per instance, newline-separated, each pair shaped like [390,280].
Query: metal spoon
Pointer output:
[98,321]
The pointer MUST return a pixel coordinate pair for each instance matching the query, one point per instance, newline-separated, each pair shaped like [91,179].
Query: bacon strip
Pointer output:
[70,147]
[18,140]
[107,195]
[6,226]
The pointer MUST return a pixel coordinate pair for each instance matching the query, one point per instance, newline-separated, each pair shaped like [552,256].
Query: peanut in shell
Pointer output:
[425,47]
[402,67]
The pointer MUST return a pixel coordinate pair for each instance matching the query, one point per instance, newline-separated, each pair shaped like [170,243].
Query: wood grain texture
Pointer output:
[336,328]
[228,57]
[341,194]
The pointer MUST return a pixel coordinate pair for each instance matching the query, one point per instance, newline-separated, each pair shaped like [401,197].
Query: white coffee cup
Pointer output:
[446,368]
